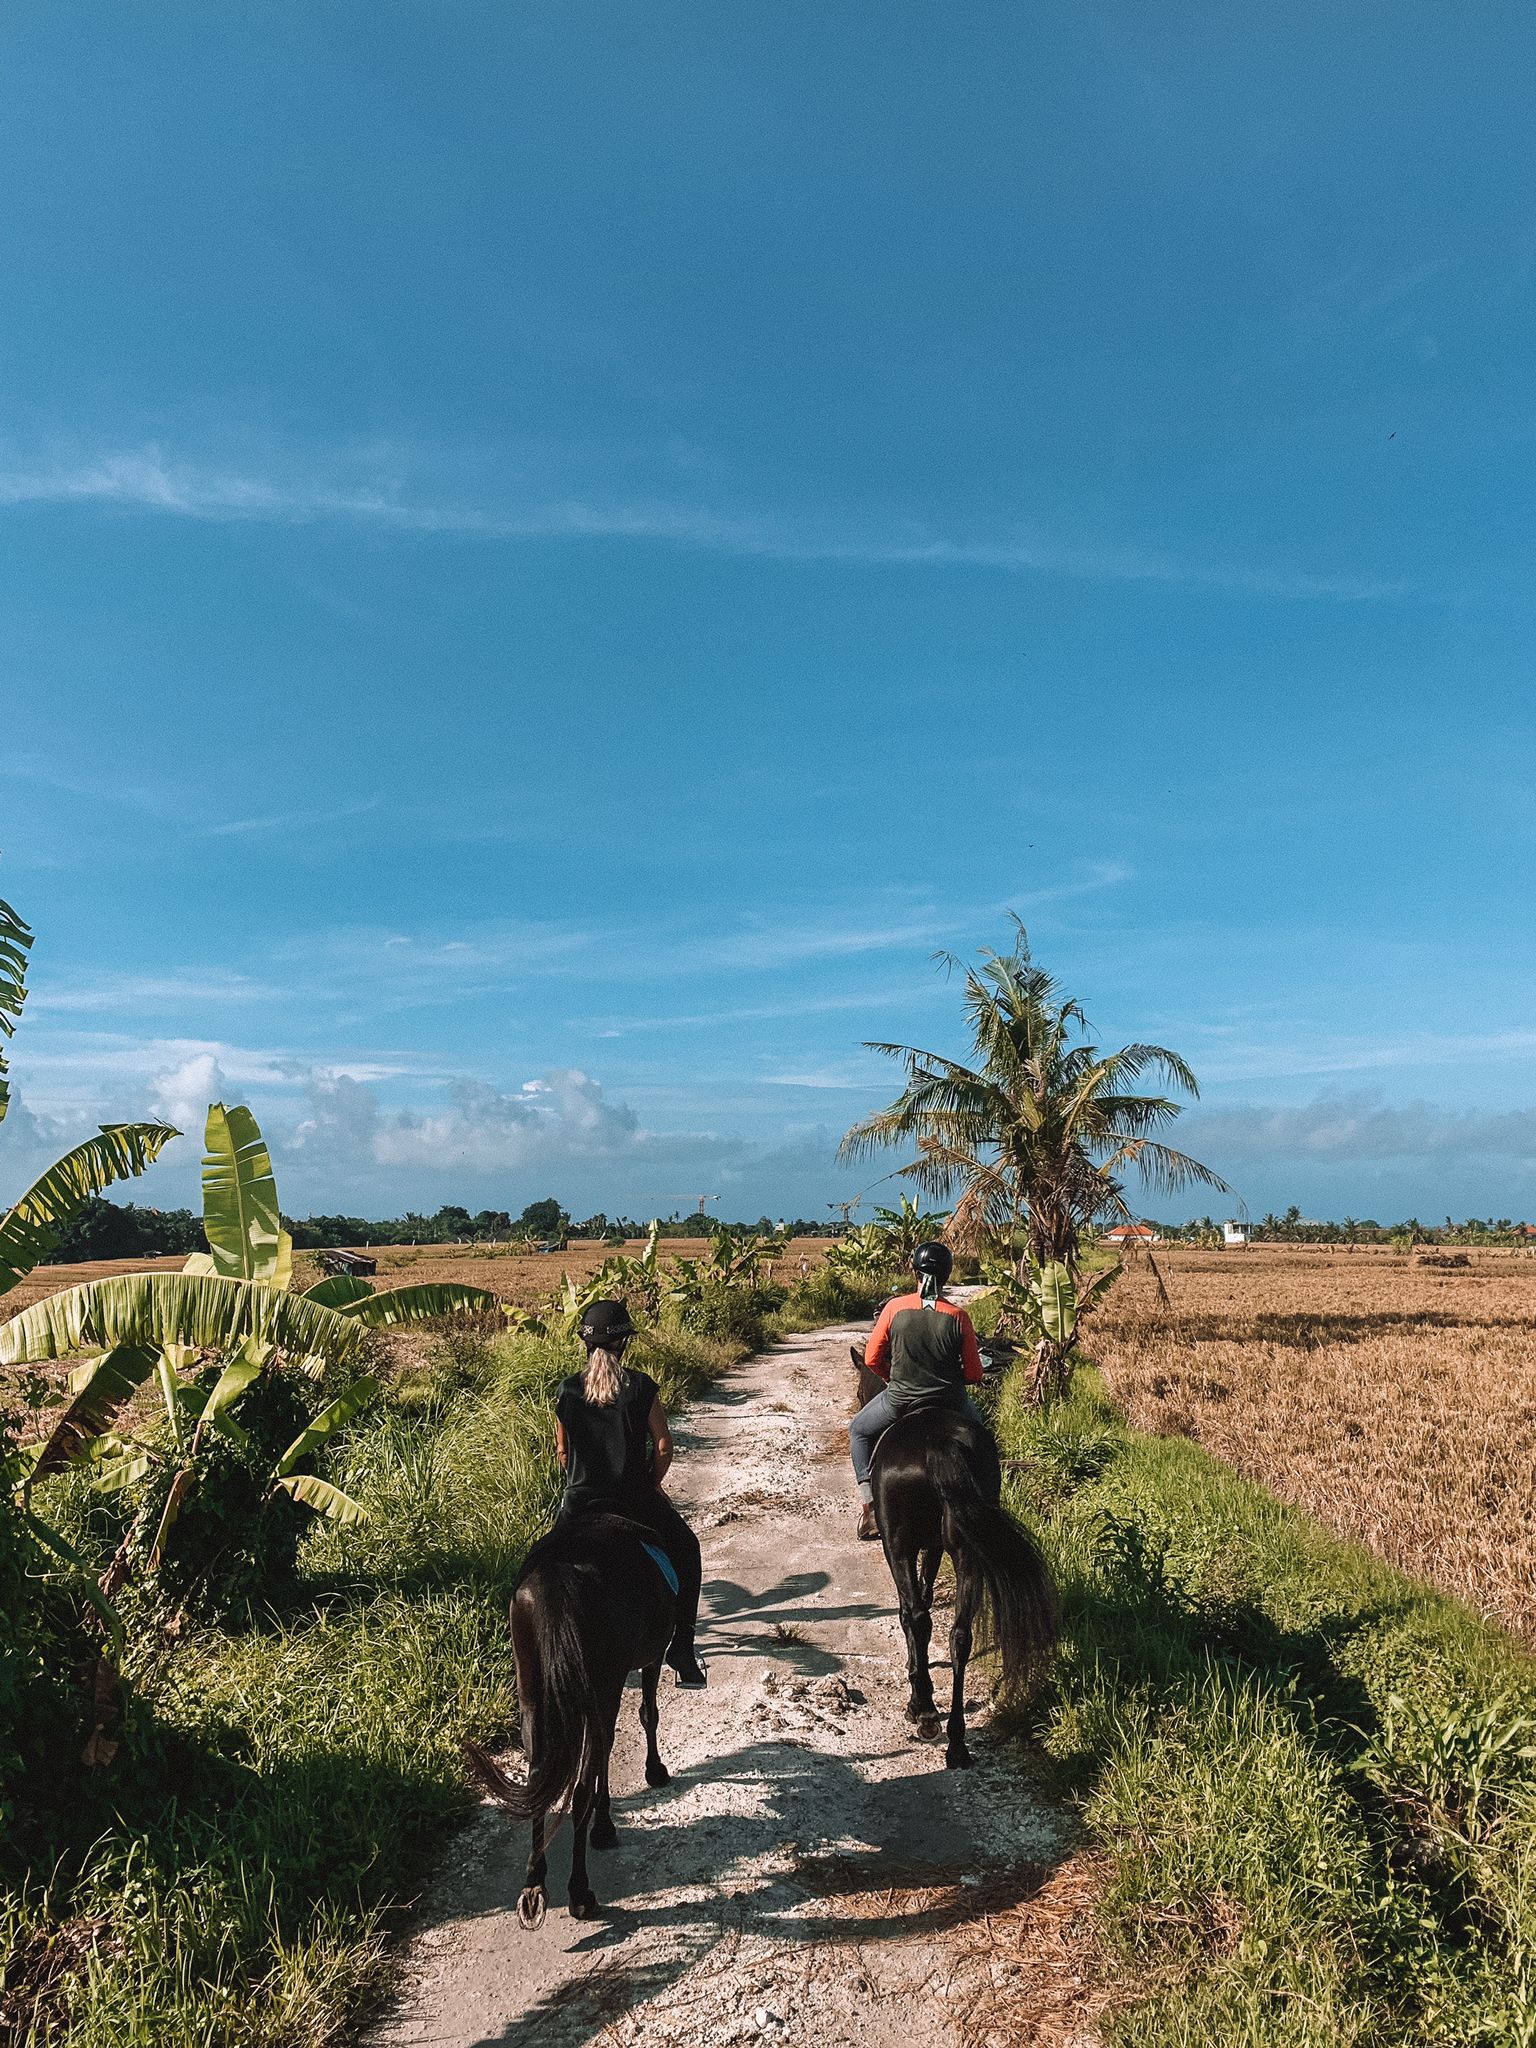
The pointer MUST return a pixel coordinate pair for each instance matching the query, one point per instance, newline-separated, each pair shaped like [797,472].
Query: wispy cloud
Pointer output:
[150,992]
[148,480]
[1334,1055]
[287,821]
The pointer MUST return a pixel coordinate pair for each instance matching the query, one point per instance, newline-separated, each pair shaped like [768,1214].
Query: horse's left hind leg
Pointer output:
[656,1772]
[581,1897]
[967,1599]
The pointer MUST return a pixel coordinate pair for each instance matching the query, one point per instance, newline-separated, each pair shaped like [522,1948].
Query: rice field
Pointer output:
[1393,1399]
[516,1275]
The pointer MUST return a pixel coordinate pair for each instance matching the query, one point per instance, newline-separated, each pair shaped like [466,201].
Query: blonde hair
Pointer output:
[603,1377]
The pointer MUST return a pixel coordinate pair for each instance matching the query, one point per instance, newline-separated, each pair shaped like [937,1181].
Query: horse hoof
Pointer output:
[657,1774]
[531,1908]
[957,1757]
[929,1727]
[583,1905]
[604,1835]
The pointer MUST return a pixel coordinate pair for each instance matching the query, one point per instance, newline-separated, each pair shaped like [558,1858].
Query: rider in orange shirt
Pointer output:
[925,1349]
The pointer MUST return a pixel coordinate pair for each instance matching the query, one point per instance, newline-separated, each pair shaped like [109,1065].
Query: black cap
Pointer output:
[935,1258]
[604,1323]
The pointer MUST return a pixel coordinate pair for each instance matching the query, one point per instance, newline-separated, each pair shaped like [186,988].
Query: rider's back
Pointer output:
[927,1350]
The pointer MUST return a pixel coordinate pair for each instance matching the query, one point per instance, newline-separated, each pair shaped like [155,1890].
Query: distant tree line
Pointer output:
[1294,1228]
[127,1230]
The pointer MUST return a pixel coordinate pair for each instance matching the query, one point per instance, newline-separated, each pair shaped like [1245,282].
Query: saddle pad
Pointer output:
[663,1564]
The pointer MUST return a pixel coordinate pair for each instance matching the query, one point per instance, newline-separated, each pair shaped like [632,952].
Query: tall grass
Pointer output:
[228,1880]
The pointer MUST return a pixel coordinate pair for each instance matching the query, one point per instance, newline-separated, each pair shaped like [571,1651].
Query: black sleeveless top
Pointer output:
[607,1448]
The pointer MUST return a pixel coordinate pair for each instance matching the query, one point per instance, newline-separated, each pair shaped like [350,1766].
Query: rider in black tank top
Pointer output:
[607,1446]
[616,1452]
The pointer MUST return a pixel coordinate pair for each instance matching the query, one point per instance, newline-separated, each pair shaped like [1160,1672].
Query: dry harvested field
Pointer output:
[523,1277]
[1395,1401]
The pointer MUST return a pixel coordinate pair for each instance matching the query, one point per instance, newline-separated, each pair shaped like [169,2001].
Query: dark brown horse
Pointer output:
[938,1488]
[592,1604]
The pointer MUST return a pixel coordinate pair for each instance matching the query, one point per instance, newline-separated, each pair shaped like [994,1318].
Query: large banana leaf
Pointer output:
[339,1290]
[327,1422]
[1058,1302]
[419,1304]
[175,1308]
[324,1498]
[15,939]
[98,1390]
[240,1213]
[31,1230]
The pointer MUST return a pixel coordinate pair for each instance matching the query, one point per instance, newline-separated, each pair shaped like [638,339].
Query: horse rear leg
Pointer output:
[581,1898]
[656,1772]
[532,1904]
[917,1626]
[967,1601]
[604,1834]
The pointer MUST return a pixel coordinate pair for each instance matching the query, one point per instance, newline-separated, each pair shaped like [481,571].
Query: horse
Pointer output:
[938,1486]
[595,1600]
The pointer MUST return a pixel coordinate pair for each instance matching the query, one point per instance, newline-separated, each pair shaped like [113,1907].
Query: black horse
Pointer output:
[591,1605]
[938,1487]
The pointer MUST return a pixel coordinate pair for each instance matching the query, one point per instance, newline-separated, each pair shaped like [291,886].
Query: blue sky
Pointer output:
[550,554]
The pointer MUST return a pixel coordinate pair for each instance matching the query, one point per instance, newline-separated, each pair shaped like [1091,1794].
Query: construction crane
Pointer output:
[845,1209]
[700,1200]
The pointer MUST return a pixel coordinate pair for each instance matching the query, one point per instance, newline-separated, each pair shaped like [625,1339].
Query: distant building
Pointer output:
[1132,1233]
[1233,1234]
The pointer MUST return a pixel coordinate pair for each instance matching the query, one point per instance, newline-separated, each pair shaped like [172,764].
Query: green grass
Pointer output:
[1314,1780]
[229,1879]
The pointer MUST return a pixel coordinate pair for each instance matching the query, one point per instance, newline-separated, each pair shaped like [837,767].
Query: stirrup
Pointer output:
[692,1677]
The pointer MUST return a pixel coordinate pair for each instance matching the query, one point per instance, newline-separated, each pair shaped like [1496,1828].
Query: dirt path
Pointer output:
[811,1874]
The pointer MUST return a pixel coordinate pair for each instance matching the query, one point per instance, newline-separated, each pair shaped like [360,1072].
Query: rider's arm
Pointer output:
[661,1437]
[877,1352]
[562,1448]
[970,1351]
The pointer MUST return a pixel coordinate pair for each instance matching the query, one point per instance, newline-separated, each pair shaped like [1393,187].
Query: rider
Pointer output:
[925,1349]
[604,1418]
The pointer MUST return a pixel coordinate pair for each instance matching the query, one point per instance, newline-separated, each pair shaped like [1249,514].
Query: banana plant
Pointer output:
[906,1227]
[863,1254]
[233,1305]
[30,1231]
[640,1283]
[1046,1305]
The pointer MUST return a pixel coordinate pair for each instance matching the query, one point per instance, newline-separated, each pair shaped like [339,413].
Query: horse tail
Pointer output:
[1026,1616]
[563,1730]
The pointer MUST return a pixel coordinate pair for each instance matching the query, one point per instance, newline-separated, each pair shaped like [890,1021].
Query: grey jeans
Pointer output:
[874,1417]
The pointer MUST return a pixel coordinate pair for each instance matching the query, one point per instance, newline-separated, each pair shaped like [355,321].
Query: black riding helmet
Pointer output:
[933,1259]
[604,1324]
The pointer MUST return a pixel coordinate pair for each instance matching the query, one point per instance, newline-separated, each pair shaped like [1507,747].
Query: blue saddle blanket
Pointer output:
[663,1564]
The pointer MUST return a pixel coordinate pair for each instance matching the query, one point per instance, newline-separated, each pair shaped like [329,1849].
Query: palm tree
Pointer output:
[1037,1133]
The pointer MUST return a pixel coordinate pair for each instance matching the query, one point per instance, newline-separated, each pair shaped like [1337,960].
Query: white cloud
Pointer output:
[182,1094]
